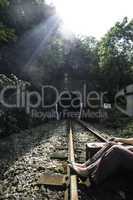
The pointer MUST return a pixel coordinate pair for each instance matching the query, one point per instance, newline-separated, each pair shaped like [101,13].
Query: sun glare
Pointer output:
[91,17]
[72,13]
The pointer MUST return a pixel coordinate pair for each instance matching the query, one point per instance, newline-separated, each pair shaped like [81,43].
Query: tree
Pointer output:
[82,61]
[116,58]
[6,33]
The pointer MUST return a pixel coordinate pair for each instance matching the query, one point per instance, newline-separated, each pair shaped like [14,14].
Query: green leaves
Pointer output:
[115,53]
[118,41]
[4,3]
[6,34]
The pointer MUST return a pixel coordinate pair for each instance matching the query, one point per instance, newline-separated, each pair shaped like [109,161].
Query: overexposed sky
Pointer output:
[92,17]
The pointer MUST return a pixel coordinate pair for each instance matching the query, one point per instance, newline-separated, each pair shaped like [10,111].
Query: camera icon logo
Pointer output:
[127,94]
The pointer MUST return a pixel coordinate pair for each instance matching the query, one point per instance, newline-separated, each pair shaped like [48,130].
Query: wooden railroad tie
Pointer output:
[53,180]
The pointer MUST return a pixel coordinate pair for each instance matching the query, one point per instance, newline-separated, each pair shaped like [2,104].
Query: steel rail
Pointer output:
[73,178]
[92,130]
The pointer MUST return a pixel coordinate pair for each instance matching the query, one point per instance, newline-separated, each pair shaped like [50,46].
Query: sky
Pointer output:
[92,17]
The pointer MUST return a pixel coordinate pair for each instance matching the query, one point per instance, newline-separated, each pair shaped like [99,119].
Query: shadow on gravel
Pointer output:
[17,145]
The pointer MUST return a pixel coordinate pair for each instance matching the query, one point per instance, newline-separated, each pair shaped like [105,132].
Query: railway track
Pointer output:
[35,155]
[80,133]
[77,144]
[75,139]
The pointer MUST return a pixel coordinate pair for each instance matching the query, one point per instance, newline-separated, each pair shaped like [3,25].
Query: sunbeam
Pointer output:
[91,17]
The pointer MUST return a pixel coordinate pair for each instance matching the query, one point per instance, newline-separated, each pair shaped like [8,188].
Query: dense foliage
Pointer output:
[38,50]
[115,54]
[33,47]
[6,33]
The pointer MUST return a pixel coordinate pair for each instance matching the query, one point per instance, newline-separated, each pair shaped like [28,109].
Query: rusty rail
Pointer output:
[73,178]
[92,130]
